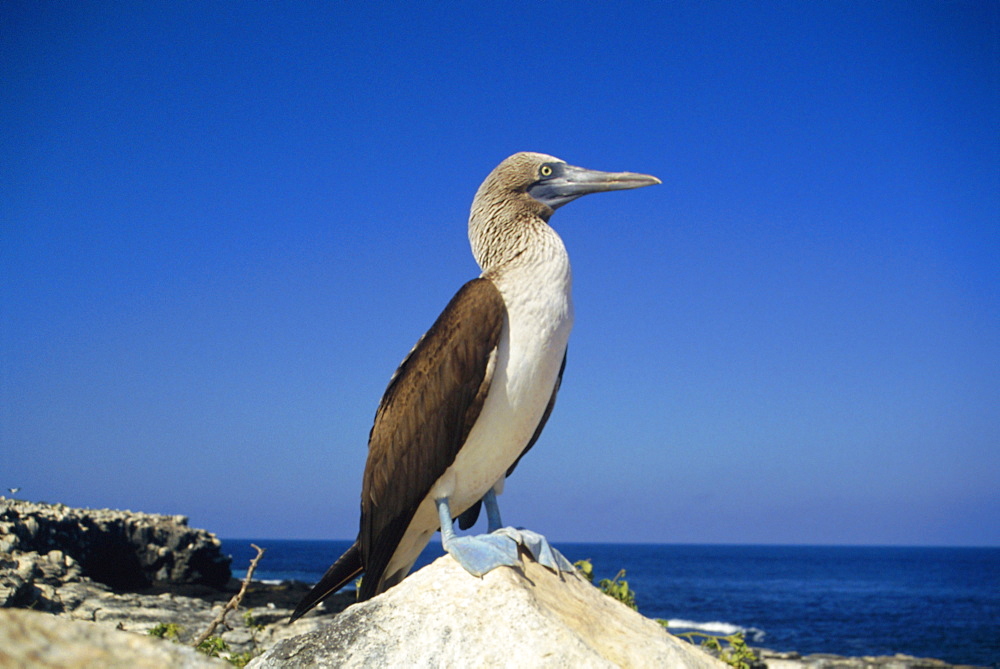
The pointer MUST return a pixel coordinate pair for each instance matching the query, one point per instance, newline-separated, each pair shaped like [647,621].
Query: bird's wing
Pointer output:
[426,413]
[469,517]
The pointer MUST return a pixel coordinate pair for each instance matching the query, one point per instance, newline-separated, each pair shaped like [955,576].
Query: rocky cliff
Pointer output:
[121,549]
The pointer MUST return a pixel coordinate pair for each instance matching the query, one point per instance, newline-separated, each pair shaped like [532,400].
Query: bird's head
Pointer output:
[514,203]
[543,183]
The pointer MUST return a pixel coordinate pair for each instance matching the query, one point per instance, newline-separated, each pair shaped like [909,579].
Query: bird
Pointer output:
[472,396]
[13,491]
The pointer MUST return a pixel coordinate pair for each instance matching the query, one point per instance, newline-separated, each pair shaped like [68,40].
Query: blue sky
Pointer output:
[224,225]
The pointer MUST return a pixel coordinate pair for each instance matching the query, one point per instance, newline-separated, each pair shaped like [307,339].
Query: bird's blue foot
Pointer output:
[481,554]
[478,554]
[538,546]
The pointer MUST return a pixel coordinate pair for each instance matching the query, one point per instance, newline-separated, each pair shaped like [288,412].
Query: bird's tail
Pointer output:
[340,572]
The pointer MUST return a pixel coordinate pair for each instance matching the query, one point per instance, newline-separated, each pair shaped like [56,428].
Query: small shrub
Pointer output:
[731,649]
[212,646]
[240,659]
[171,631]
[618,589]
[250,622]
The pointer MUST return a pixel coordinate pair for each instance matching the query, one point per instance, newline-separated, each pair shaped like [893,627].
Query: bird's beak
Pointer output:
[569,183]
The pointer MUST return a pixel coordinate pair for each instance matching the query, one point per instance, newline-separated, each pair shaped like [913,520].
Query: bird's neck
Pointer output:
[511,242]
[527,262]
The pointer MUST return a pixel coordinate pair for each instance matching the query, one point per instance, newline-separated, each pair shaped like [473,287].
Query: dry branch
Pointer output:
[233,603]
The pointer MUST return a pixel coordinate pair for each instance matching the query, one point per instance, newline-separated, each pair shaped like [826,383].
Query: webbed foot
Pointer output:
[483,553]
[538,546]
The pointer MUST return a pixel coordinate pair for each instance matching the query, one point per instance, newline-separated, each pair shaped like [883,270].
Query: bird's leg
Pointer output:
[533,542]
[492,511]
[479,554]
[483,553]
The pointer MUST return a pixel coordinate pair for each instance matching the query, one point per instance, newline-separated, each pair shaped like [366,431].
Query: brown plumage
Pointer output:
[446,377]
[408,449]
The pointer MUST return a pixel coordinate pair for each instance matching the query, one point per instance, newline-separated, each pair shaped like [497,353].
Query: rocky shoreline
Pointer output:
[791,660]
[57,560]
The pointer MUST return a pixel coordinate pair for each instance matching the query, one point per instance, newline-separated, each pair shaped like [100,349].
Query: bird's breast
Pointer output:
[531,349]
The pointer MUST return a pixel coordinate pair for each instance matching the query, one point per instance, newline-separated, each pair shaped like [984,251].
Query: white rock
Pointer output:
[40,640]
[527,617]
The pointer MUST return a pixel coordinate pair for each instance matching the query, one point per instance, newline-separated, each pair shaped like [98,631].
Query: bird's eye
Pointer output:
[545,170]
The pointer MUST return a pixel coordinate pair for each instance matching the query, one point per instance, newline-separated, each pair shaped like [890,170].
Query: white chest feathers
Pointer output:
[538,298]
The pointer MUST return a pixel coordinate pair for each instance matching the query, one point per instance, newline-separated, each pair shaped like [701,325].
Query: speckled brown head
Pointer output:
[523,191]
[551,182]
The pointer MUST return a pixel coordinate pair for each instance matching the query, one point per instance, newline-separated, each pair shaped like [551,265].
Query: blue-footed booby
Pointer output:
[473,395]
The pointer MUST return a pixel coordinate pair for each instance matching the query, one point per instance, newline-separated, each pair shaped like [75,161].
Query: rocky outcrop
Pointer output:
[260,623]
[790,660]
[30,580]
[442,616]
[121,549]
[41,641]
[48,563]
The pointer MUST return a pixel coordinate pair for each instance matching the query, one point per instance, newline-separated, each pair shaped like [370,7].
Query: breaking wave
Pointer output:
[718,628]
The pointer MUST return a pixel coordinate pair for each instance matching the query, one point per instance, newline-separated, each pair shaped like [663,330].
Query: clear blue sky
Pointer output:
[225,223]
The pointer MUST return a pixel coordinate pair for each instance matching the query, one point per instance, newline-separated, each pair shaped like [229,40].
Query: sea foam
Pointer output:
[717,628]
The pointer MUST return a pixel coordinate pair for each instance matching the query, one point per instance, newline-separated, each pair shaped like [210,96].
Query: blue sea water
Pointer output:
[928,602]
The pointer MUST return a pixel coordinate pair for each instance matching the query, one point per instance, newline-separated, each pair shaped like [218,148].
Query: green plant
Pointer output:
[618,589]
[250,622]
[212,646]
[166,631]
[240,659]
[585,569]
[731,649]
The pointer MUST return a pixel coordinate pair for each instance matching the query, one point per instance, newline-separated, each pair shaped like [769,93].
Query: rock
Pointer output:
[443,617]
[54,582]
[269,606]
[122,549]
[32,639]
[191,609]
[791,660]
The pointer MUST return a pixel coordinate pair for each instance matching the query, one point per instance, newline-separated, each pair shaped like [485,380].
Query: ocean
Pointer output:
[929,602]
